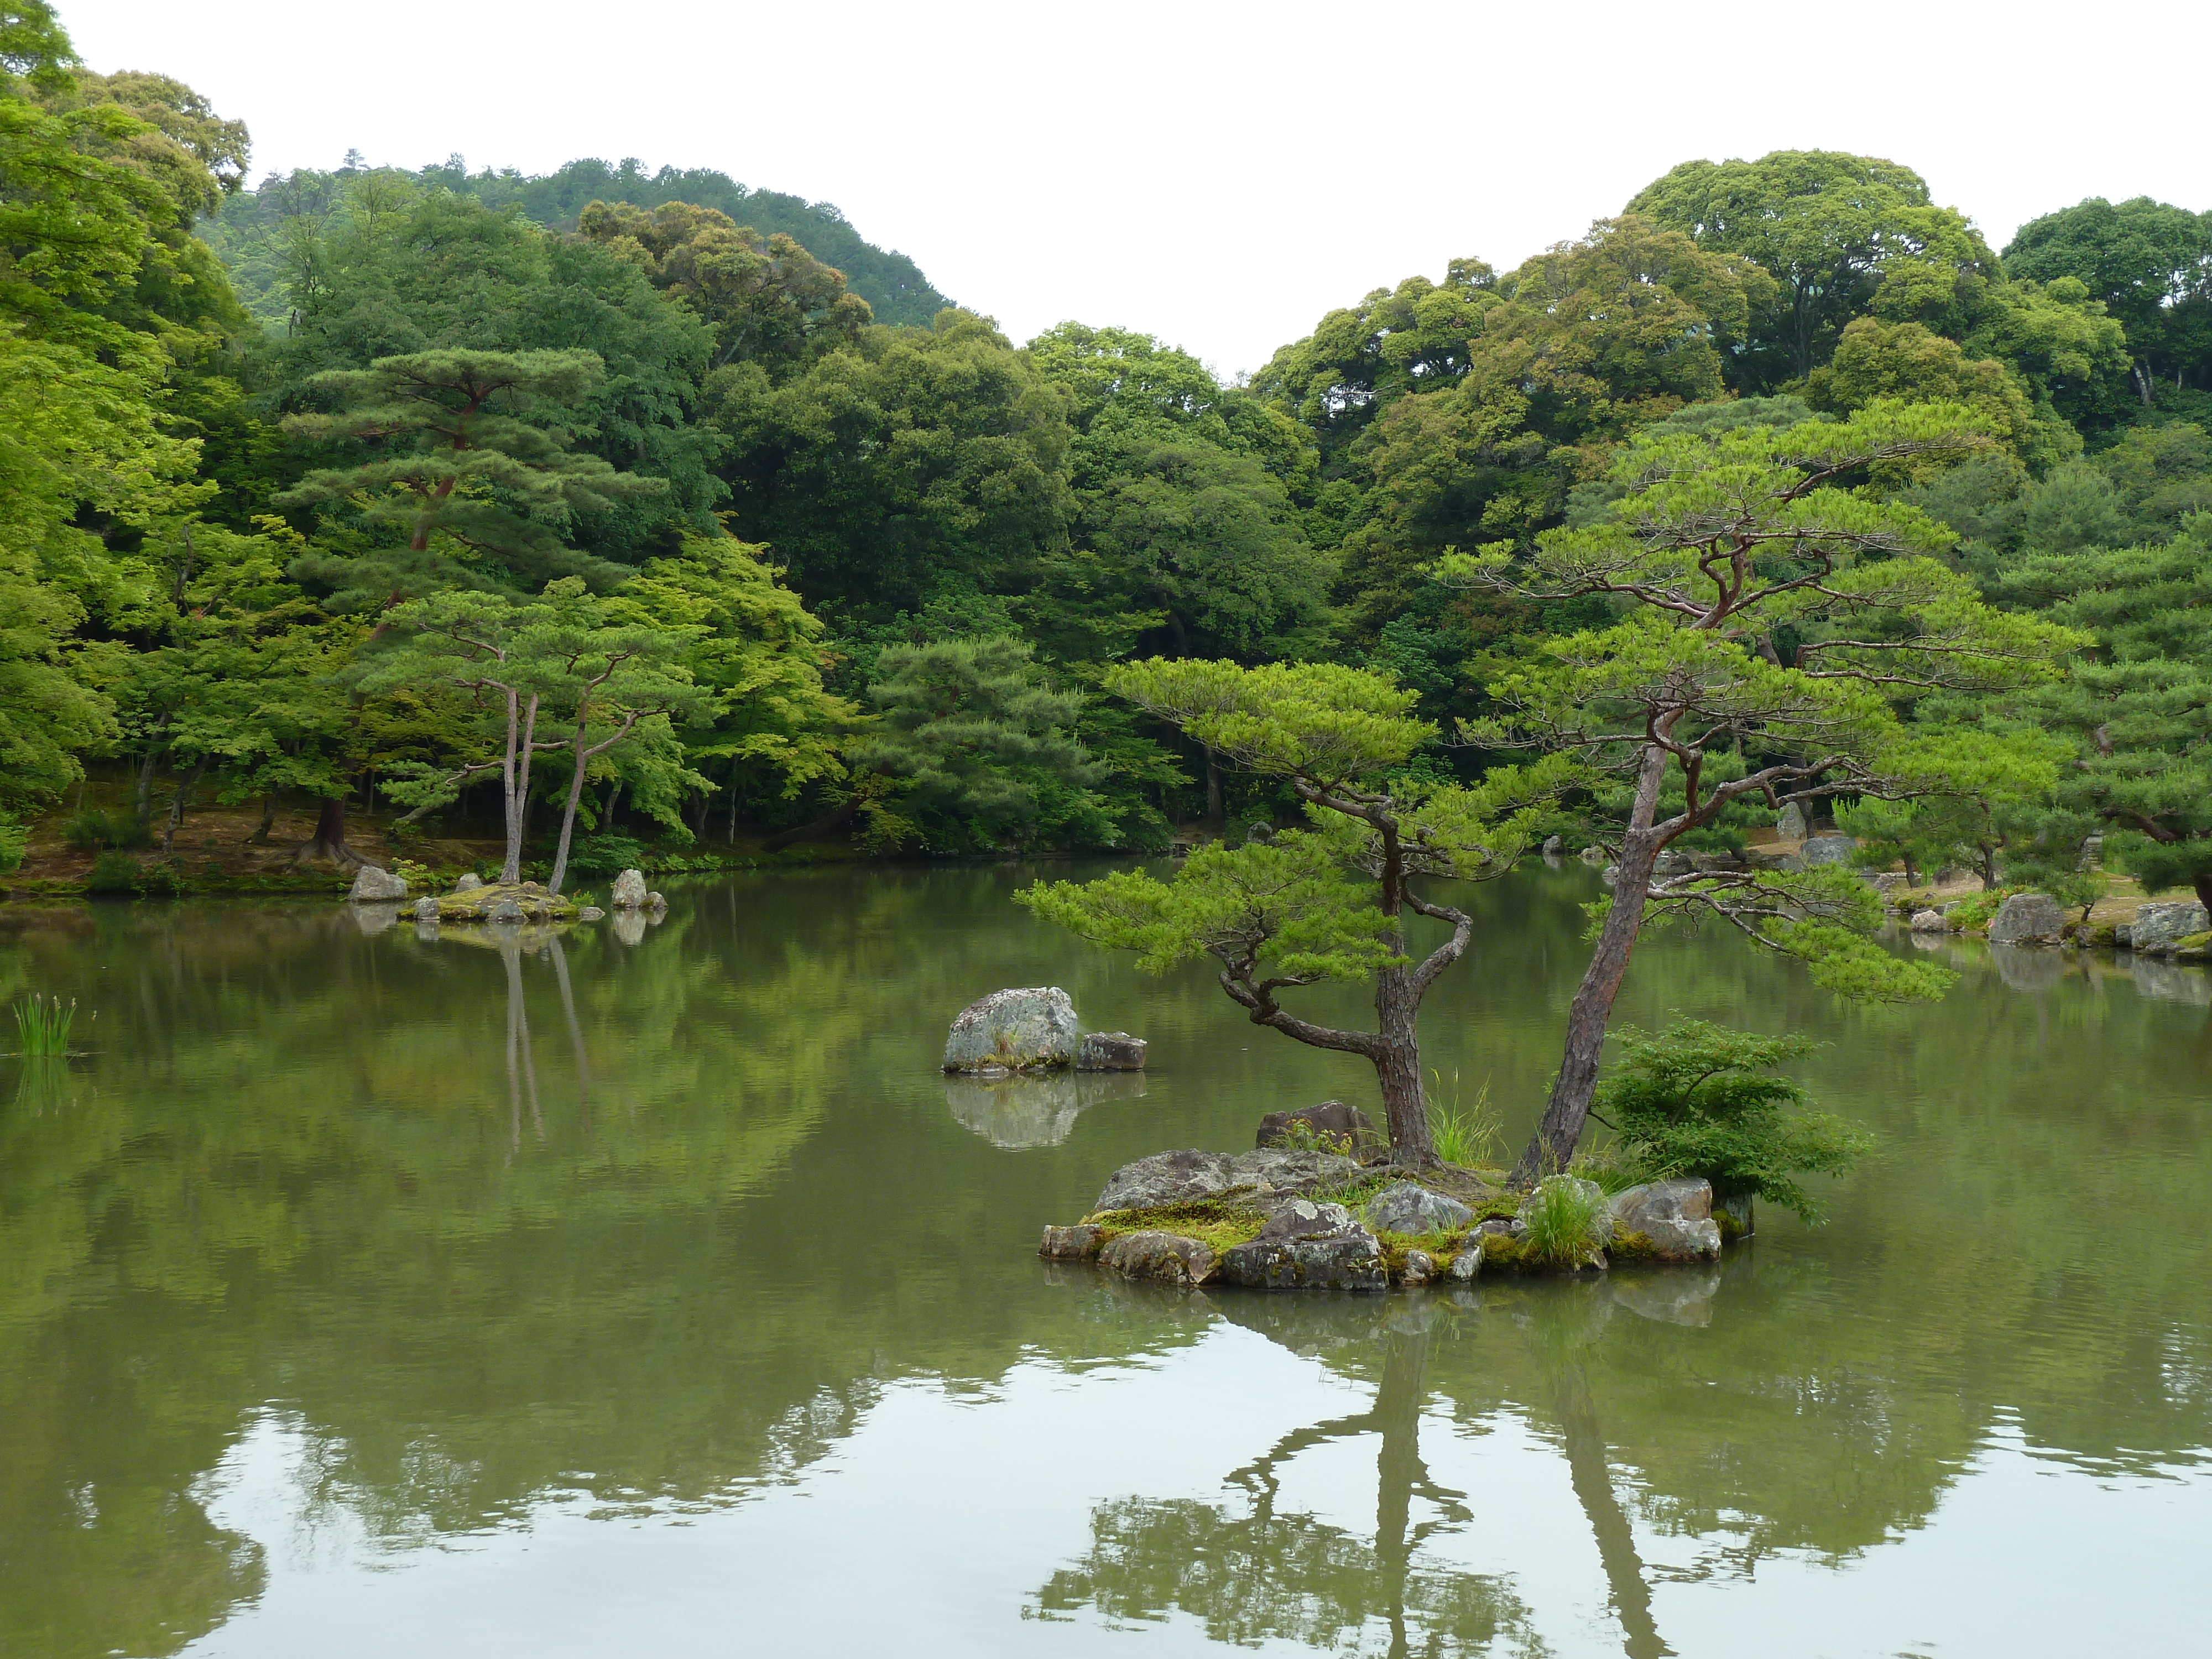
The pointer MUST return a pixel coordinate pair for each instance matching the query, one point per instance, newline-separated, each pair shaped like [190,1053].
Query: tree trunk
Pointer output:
[142,793]
[514,781]
[569,816]
[260,836]
[1398,1068]
[2203,883]
[2143,383]
[329,841]
[844,815]
[1560,1128]
[177,803]
[1216,811]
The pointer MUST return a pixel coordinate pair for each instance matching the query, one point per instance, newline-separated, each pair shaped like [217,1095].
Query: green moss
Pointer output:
[1731,1229]
[1629,1245]
[1216,1223]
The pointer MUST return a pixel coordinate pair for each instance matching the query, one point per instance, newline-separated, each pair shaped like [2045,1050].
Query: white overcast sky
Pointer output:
[1215,172]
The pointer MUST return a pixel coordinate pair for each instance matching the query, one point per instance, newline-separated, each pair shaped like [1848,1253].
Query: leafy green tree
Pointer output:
[1327,903]
[982,747]
[2150,264]
[1695,1100]
[1727,550]
[466,462]
[556,659]
[2137,709]
[770,301]
[1831,228]
[1990,779]
[909,463]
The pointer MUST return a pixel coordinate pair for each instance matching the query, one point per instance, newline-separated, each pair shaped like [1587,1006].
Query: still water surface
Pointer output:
[364,1295]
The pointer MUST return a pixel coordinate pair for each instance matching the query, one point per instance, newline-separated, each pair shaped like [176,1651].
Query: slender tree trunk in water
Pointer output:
[1567,1110]
[1398,1067]
[177,803]
[260,836]
[329,841]
[1592,1479]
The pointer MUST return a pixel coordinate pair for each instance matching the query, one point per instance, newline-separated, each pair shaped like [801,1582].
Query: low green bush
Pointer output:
[1699,1100]
[15,841]
[115,871]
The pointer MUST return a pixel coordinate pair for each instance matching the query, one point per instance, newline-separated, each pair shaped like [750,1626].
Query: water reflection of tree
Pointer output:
[1250,1573]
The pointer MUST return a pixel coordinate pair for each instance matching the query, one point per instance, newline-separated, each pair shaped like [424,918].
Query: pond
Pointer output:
[367,1295]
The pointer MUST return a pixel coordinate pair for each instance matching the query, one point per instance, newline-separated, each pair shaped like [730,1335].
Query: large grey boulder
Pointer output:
[376,886]
[1772,858]
[1111,1051]
[1676,1216]
[1078,1244]
[469,882]
[1154,1255]
[1553,846]
[1331,1121]
[629,890]
[1790,823]
[1184,1177]
[1014,1030]
[1827,850]
[1930,922]
[505,909]
[426,910]
[1308,1246]
[1406,1206]
[2027,919]
[2157,926]
[1594,855]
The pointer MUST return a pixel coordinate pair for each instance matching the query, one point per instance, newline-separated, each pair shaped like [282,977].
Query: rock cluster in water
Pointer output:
[1033,1029]
[1293,1218]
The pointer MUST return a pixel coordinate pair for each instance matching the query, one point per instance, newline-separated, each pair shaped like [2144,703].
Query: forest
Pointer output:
[356,492]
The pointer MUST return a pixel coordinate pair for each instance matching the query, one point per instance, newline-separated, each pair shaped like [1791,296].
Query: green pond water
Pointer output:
[366,1295]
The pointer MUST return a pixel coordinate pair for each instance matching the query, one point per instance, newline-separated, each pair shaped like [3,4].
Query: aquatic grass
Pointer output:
[1567,1220]
[42,1025]
[1467,1136]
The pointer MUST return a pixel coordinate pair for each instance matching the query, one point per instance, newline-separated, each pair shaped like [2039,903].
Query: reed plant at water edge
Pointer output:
[1469,1136]
[42,1025]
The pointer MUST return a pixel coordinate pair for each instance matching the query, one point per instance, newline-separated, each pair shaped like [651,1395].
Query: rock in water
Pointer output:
[1467,1263]
[1421,1267]
[1183,1177]
[590,913]
[2027,919]
[1552,845]
[1308,1246]
[1014,1030]
[1595,856]
[2159,925]
[1676,1216]
[1791,824]
[469,882]
[1153,1254]
[1331,1120]
[376,886]
[506,910]
[426,910]
[1111,1051]
[1069,1243]
[1930,922]
[1827,850]
[629,891]
[1406,1206]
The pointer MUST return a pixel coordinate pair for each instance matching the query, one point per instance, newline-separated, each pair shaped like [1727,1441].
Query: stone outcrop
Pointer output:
[1111,1051]
[1594,855]
[504,910]
[2027,919]
[1676,1216]
[1155,1255]
[469,882]
[376,886]
[1827,850]
[1013,1030]
[426,910]
[1406,1206]
[1930,922]
[1331,1121]
[1308,1246]
[1772,858]
[2156,927]
[1790,823]
[1078,1244]
[1184,1177]
[630,892]
[1553,846]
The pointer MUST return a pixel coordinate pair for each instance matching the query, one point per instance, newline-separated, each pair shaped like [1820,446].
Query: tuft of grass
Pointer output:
[1568,1222]
[1466,1136]
[42,1025]
[1609,1168]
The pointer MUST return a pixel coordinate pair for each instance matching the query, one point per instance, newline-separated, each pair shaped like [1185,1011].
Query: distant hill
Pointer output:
[891,283]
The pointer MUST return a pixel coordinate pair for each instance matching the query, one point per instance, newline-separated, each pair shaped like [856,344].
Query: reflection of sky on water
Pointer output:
[933,1523]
